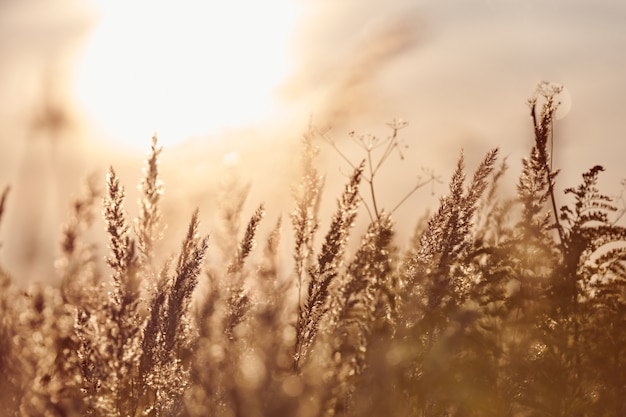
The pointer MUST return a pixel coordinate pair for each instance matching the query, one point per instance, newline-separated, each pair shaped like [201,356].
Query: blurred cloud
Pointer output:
[340,64]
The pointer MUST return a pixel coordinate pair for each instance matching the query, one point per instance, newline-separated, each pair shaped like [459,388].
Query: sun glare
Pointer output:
[183,69]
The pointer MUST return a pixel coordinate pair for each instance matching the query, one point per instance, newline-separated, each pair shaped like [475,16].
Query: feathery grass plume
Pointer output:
[268,269]
[448,236]
[224,341]
[81,289]
[154,330]
[157,371]
[239,301]
[124,260]
[120,316]
[511,300]
[225,296]
[231,199]
[44,342]
[304,218]
[536,183]
[148,226]
[187,270]
[272,294]
[223,305]
[247,243]
[329,261]
[364,308]
[261,352]
[497,313]
[167,337]
[111,335]
[493,215]
[10,383]
[269,290]
[244,361]
[77,264]
[532,244]
[439,277]
[272,328]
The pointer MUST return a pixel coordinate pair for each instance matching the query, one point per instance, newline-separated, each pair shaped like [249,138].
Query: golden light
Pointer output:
[183,69]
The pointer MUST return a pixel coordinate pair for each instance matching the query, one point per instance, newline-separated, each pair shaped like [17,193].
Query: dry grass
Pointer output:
[497,307]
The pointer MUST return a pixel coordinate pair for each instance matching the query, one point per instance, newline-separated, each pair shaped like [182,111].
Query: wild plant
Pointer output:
[364,308]
[133,362]
[377,152]
[315,305]
[222,318]
[232,196]
[434,274]
[169,332]
[438,277]
[43,378]
[498,307]
[149,227]
[238,300]
[77,265]
[304,218]
[536,183]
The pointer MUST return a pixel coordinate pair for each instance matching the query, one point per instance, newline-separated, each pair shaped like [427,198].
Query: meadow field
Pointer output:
[501,304]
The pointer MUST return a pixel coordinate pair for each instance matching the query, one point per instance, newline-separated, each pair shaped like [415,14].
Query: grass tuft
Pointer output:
[497,307]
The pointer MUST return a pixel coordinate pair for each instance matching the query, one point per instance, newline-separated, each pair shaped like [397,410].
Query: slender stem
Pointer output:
[369,147]
[367,208]
[373,198]
[559,227]
[551,143]
[345,158]
[407,195]
[371,183]
[548,167]
[390,144]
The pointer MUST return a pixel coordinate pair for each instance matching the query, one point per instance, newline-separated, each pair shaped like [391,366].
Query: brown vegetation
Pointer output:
[497,308]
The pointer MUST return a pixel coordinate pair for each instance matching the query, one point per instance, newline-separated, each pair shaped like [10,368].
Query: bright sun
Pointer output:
[183,68]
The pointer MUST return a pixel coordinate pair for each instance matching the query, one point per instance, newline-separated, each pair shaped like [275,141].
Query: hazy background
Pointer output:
[84,84]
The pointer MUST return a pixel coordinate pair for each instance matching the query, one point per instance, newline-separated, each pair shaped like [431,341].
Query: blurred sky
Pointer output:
[83,84]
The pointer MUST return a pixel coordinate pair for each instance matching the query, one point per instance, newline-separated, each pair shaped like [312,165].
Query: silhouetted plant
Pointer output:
[497,307]
[315,305]
[377,152]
